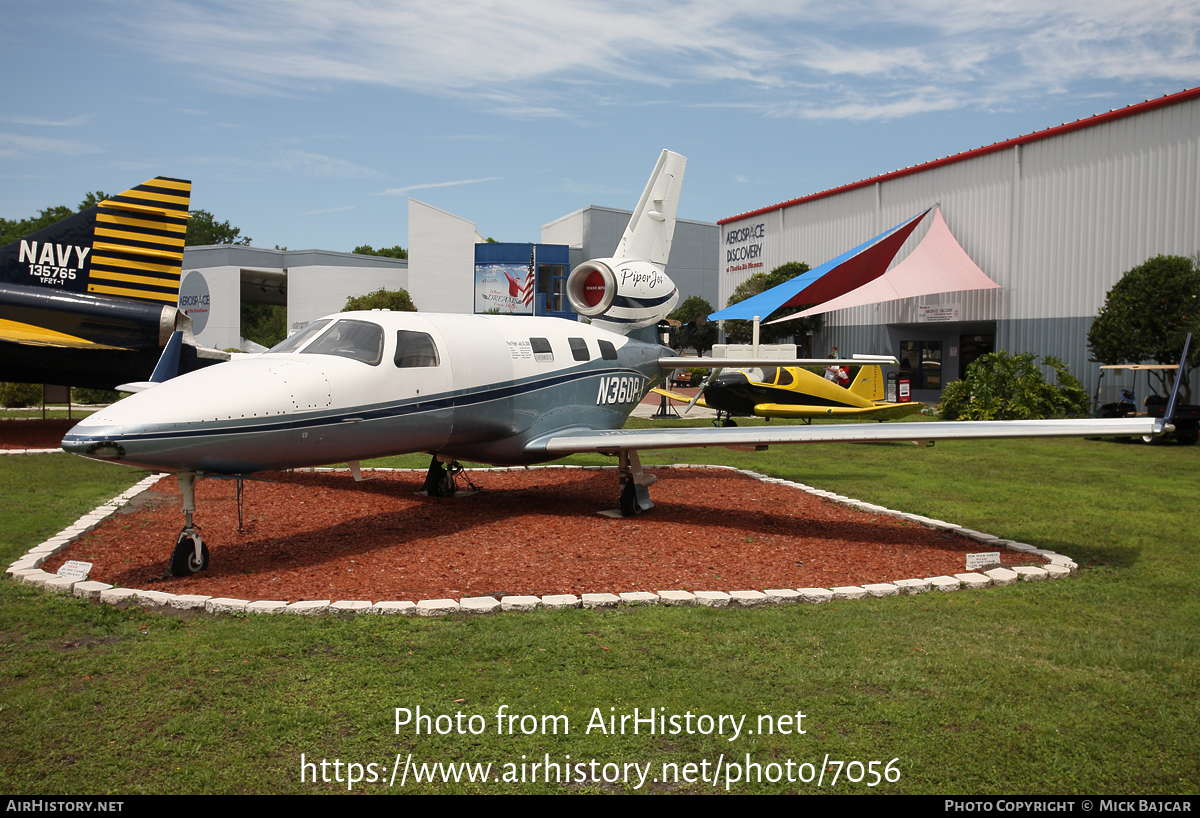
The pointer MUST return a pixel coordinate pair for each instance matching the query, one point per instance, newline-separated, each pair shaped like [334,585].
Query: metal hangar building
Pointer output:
[1055,217]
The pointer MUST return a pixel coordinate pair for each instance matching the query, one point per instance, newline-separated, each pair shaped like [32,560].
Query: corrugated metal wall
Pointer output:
[1055,221]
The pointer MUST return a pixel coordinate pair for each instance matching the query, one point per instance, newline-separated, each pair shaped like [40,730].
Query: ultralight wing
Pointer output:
[879,412]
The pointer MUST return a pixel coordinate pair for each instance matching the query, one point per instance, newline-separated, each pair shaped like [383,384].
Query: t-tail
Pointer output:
[631,290]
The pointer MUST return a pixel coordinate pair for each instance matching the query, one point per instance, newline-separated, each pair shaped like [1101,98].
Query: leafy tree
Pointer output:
[264,324]
[742,332]
[999,386]
[203,228]
[692,308]
[1147,315]
[395,300]
[11,230]
[390,252]
[95,197]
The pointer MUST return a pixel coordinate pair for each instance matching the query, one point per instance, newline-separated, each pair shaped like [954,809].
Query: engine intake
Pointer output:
[621,295]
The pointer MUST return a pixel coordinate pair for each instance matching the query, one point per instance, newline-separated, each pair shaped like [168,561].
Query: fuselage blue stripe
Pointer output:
[413,406]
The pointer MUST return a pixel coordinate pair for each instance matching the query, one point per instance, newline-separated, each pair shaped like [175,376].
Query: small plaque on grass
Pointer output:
[74,569]
[976,561]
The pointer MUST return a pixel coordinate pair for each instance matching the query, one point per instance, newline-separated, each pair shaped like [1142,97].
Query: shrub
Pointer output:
[395,300]
[81,394]
[1000,386]
[16,395]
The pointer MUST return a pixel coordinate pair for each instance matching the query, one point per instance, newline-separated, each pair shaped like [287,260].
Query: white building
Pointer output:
[217,279]
[1055,217]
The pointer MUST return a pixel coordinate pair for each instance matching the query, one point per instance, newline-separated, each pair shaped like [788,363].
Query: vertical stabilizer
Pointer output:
[129,246]
[652,225]
[868,383]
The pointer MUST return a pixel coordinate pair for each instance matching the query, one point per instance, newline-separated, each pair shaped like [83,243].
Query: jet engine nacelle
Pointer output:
[621,295]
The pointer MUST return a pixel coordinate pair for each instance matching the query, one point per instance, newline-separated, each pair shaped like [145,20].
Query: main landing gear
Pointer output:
[634,483]
[439,480]
[190,554]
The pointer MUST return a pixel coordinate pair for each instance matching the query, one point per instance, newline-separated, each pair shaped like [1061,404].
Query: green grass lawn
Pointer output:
[1083,685]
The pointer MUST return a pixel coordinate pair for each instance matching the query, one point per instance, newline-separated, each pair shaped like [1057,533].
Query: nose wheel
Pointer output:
[190,555]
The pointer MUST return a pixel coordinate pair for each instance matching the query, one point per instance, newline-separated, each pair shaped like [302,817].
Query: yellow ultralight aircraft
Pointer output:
[792,392]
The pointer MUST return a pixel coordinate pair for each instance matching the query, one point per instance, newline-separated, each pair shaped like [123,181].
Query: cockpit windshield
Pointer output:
[302,337]
[358,340]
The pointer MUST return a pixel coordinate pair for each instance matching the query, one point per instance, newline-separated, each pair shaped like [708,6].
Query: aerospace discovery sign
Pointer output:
[194,300]
[744,247]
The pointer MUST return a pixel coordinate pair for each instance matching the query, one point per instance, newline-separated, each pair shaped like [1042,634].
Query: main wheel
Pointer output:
[628,499]
[183,558]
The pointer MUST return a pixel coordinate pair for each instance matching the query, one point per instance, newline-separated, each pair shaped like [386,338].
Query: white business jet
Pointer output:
[492,389]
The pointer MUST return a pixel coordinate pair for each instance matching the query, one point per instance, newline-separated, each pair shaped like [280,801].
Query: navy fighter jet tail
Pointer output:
[92,300]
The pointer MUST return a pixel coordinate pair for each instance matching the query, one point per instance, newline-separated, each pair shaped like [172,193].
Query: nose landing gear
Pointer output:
[191,554]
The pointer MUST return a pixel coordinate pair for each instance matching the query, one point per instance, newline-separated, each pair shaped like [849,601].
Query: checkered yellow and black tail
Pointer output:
[129,246]
[137,249]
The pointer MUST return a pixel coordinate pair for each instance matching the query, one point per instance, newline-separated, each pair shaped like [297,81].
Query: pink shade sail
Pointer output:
[938,265]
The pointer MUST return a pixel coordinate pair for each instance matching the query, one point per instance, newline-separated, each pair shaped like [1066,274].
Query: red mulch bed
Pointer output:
[17,433]
[323,536]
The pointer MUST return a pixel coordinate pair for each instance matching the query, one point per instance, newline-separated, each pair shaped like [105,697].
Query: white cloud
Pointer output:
[316,164]
[872,59]
[44,122]
[396,191]
[292,160]
[18,146]
[327,210]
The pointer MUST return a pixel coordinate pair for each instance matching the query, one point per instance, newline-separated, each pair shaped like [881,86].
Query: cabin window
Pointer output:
[785,378]
[302,337]
[607,351]
[414,349]
[357,340]
[542,353]
[768,375]
[579,350]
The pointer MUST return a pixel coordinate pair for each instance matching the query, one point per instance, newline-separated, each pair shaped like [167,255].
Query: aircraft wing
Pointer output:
[17,332]
[582,440]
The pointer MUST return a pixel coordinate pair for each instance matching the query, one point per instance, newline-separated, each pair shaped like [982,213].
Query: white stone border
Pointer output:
[27,569]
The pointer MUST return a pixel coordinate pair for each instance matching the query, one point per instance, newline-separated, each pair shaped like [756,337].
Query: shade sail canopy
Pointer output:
[832,279]
[938,265]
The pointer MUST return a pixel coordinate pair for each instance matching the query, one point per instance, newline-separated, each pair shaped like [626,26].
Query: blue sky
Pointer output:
[309,123]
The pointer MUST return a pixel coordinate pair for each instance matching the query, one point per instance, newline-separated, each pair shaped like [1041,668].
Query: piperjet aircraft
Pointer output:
[792,392]
[493,389]
[92,300]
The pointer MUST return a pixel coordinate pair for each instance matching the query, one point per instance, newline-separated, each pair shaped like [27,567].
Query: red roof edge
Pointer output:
[1097,119]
